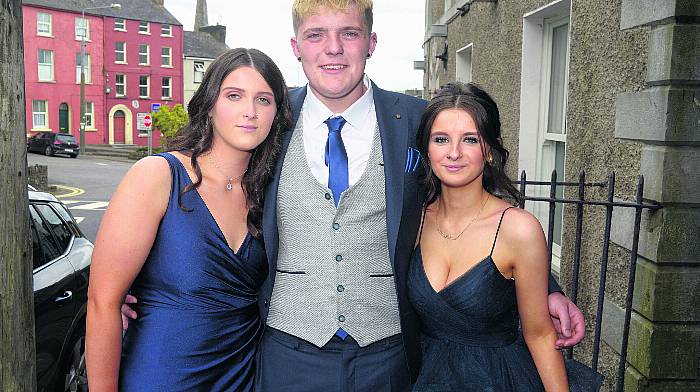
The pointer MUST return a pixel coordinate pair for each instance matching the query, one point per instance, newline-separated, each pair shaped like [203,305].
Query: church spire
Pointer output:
[201,19]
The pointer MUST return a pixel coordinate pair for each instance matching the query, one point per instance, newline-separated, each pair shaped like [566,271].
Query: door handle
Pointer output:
[66,296]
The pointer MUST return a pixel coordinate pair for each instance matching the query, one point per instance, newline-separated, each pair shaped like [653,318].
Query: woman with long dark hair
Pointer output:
[480,266]
[183,233]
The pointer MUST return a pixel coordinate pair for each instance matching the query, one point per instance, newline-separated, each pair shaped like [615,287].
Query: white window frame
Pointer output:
[48,25]
[463,65]
[42,114]
[45,65]
[117,51]
[89,115]
[534,141]
[147,25]
[201,72]
[122,85]
[147,54]
[78,37]
[120,21]
[88,71]
[147,86]
[169,87]
[166,32]
[169,56]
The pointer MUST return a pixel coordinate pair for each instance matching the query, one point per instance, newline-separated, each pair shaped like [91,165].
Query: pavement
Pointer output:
[84,184]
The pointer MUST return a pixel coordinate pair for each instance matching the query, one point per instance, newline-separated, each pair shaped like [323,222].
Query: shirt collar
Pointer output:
[318,112]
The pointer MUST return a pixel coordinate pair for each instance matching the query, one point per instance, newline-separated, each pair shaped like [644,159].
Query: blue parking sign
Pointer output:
[155,107]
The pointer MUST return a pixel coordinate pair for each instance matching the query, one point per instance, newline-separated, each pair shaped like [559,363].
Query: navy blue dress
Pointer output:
[198,323]
[470,336]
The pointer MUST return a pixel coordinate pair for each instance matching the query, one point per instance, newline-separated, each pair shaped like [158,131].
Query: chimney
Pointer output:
[201,17]
[218,32]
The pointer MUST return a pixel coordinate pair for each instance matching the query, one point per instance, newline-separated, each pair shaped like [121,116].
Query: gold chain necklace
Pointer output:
[229,183]
[454,238]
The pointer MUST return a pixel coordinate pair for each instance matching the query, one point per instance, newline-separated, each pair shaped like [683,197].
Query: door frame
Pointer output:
[128,121]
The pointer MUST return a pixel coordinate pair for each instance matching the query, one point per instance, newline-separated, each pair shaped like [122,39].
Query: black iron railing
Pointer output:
[609,204]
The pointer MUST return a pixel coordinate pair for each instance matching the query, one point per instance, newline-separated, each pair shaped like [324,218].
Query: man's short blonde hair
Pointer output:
[303,8]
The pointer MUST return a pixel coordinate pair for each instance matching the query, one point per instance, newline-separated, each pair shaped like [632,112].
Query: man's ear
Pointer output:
[372,43]
[295,48]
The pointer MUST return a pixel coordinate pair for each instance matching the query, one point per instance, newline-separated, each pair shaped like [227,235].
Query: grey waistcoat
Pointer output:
[333,266]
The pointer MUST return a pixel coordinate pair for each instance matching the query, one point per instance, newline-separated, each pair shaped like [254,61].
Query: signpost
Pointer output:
[144,122]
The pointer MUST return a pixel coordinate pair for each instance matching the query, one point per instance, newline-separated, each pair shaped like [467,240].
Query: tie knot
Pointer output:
[335,124]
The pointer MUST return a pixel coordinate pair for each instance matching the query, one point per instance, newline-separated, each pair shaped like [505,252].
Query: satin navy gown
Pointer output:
[198,323]
[470,336]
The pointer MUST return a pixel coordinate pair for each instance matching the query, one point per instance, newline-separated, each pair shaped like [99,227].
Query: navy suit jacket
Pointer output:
[398,117]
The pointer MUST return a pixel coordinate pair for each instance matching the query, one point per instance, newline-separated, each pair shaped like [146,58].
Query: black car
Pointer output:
[61,268]
[50,143]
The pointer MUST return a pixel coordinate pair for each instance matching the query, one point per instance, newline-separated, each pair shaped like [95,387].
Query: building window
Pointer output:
[120,52]
[144,27]
[120,85]
[45,65]
[40,114]
[43,24]
[166,56]
[82,29]
[119,24]
[166,30]
[144,86]
[543,107]
[144,57]
[464,64]
[78,67]
[198,71]
[89,115]
[167,87]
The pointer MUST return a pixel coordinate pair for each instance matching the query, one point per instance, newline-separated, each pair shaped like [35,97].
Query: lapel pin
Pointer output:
[397,115]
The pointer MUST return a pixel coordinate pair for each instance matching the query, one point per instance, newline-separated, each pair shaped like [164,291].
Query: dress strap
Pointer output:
[420,229]
[498,229]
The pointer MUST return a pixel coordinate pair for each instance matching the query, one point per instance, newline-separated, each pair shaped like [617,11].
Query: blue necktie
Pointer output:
[337,162]
[336,158]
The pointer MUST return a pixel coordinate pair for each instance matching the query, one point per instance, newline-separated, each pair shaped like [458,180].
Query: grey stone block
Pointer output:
[664,293]
[671,174]
[661,351]
[640,12]
[659,114]
[674,53]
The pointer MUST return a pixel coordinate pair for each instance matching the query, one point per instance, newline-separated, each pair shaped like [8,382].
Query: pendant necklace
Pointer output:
[448,236]
[229,183]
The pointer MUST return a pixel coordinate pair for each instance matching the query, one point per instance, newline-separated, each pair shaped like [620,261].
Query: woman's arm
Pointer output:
[124,240]
[528,252]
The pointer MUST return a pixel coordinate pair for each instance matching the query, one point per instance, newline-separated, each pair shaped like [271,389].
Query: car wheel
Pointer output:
[74,155]
[76,373]
[48,151]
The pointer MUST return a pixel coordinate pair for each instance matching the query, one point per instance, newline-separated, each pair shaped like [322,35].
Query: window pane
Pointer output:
[143,27]
[559,158]
[59,229]
[47,249]
[39,106]
[43,23]
[557,86]
[81,28]
[119,24]
[143,54]
[165,29]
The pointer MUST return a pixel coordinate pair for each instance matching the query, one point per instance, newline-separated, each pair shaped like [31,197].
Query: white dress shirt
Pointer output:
[357,133]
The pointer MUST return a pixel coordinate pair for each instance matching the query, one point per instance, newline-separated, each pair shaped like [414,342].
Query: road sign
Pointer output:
[155,107]
[144,121]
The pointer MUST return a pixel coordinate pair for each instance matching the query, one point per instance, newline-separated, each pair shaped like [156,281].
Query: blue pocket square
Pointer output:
[412,160]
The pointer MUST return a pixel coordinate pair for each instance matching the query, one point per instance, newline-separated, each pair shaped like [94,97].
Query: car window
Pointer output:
[46,249]
[60,230]
[67,217]
[66,138]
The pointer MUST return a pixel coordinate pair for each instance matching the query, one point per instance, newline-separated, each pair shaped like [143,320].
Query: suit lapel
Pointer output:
[391,119]
[270,233]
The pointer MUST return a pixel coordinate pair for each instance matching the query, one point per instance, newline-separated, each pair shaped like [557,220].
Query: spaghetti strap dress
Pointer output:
[470,336]
[198,322]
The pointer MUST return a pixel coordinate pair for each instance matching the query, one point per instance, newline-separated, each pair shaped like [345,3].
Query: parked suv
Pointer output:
[61,266]
[50,143]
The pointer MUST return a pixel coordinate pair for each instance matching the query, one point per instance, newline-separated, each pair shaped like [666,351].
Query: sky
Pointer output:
[267,25]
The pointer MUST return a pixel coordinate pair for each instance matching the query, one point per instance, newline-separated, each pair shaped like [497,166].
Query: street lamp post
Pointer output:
[115,6]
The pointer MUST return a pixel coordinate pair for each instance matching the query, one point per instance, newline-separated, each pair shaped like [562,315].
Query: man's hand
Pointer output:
[568,320]
[128,313]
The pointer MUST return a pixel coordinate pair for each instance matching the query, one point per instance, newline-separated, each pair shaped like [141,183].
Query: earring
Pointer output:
[489,158]
[369,55]
[299,59]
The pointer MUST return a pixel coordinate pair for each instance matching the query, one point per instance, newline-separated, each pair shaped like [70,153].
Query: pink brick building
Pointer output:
[133,61]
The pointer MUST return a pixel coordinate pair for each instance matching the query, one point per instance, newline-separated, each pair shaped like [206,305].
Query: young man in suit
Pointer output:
[341,218]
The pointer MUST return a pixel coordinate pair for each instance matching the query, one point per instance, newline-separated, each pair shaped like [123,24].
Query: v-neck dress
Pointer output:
[470,336]
[198,322]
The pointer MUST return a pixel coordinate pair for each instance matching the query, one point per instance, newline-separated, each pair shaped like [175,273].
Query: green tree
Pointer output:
[169,120]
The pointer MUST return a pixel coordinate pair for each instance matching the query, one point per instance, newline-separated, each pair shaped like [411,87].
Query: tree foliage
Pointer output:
[169,120]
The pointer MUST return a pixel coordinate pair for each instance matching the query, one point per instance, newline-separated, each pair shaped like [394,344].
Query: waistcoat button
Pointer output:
[341,318]
[327,196]
[341,288]
[336,226]
[338,258]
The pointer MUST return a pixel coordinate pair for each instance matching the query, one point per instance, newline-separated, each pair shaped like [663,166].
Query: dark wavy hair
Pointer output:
[196,137]
[475,101]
